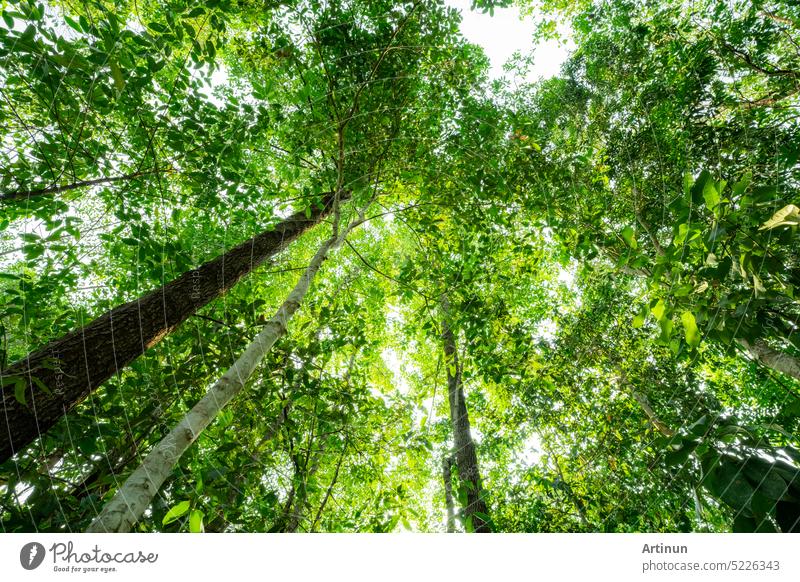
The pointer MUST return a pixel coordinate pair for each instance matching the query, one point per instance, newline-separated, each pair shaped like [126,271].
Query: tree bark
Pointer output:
[475,510]
[298,510]
[136,494]
[329,490]
[779,361]
[74,365]
[447,477]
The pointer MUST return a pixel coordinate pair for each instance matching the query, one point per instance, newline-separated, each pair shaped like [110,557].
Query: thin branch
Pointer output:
[22,194]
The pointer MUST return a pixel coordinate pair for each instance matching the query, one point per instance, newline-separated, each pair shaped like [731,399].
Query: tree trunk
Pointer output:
[329,491]
[779,361]
[136,494]
[760,351]
[576,501]
[447,477]
[475,510]
[74,365]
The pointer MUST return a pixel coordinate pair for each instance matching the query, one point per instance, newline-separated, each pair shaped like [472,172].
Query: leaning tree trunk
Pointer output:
[760,351]
[74,365]
[779,361]
[475,510]
[138,491]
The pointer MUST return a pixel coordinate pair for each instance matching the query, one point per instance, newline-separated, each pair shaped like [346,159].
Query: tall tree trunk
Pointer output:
[779,361]
[475,510]
[136,494]
[298,510]
[74,365]
[576,500]
[447,477]
[329,491]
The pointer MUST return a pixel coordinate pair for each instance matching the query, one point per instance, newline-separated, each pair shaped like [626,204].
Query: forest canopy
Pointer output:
[305,266]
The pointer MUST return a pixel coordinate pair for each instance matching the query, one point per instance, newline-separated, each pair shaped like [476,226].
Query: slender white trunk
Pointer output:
[137,493]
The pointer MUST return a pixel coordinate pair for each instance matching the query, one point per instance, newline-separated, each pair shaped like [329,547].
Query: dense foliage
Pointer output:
[566,304]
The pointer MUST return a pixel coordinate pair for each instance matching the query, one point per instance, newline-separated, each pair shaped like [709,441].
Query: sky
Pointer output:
[505,32]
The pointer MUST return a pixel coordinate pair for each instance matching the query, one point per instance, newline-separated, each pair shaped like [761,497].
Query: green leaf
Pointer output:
[33,251]
[739,187]
[727,483]
[698,190]
[20,387]
[680,236]
[764,478]
[639,318]
[690,329]
[789,215]
[629,236]
[677,458]
[176,511]
[711,195]
[688,180]
[73,24]
[666,330]
[196,521]
[42,386]
[700,426]
[116,73]
[758,286]
[658,310]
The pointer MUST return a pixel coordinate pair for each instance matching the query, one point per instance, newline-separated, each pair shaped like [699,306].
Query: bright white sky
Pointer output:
[503,34]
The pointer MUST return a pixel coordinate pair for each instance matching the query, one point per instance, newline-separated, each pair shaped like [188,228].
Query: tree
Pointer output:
[51,381]
[569,305]
[476,515]
[137,493]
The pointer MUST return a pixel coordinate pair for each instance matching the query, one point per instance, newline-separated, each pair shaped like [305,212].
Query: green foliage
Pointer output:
[608,243]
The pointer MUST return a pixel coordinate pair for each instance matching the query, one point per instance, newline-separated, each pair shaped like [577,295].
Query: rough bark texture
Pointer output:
[779,361]
[447,477]
[466,458]
[138,491]
[75,364]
